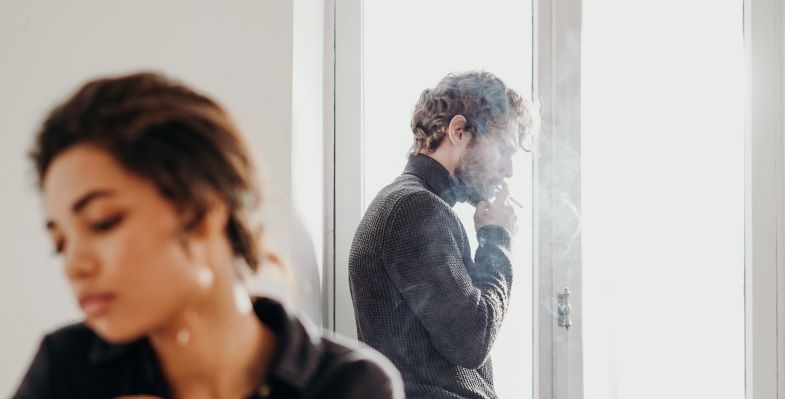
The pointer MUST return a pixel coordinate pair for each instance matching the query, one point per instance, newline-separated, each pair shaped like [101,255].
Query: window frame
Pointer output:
[558,374]
[348,154]
[348,179]
[764,201]
[558,354]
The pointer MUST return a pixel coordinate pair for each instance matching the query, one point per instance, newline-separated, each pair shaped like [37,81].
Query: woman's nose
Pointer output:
[79,262]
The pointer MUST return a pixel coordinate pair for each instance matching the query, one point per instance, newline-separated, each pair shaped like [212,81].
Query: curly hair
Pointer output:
[181,141]
[481,97]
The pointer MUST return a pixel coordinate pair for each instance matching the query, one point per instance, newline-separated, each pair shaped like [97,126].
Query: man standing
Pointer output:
[419,297]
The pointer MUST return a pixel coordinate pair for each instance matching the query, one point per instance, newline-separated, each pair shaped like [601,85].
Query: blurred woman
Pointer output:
[148,191]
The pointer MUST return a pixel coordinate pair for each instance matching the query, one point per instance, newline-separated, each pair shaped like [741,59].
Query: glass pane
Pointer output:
[409,46]
[663,199]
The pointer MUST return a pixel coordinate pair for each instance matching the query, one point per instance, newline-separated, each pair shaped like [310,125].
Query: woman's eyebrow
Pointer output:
[82,203]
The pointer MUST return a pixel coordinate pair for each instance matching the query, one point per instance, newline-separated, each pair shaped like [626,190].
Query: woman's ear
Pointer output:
[216,218]
[456,131]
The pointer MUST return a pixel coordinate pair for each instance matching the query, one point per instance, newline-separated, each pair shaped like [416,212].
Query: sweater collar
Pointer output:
[436,177]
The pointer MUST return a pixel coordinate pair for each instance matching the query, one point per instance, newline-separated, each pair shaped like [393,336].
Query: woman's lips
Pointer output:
[94,305]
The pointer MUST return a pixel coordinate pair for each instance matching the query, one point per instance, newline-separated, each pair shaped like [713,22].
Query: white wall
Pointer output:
[239,52]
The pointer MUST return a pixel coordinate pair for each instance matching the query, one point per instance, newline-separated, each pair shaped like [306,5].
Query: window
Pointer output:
[408,46]
[662,173]
[644,206]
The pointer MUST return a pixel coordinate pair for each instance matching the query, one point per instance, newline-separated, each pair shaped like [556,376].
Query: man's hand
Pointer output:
[498,213]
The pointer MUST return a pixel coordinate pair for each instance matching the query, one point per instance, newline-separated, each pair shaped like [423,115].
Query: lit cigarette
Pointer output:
[514,201]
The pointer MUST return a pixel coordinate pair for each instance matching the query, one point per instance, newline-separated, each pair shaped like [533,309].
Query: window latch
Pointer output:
[565,308]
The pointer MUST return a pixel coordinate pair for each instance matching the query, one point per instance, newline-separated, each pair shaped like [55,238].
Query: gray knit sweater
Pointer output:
[419,298]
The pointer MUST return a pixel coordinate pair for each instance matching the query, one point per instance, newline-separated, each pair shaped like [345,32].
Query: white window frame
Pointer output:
[764,201]
[329,272]
[558,374]
[348,154]
[557,350]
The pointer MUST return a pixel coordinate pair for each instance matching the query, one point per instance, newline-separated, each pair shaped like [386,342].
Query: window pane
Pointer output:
[410,45]
[663,199]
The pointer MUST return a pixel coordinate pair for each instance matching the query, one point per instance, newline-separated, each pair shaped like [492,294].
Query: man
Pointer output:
[419,297]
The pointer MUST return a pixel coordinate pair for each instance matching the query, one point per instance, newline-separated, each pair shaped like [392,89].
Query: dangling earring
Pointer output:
[205,276]
[183,336]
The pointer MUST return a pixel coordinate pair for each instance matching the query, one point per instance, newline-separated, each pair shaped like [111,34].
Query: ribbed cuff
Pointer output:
[494,235]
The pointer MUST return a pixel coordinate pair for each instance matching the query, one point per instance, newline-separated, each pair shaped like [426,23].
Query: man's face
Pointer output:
[487,162]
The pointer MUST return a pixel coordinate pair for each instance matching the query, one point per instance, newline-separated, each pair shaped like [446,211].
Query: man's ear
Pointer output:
[456,131]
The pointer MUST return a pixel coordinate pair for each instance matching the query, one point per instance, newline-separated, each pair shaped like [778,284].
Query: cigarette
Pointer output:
[514,201]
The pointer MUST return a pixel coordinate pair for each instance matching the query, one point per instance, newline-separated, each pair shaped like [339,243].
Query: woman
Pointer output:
[148,189]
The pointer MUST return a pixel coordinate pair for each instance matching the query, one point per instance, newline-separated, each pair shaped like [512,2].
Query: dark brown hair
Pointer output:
[482,98]
[181,141]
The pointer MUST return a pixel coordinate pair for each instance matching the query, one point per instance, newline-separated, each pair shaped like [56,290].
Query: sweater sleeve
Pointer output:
[460,305]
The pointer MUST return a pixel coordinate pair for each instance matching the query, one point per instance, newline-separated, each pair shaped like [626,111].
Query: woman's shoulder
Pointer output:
[77,344]
[314,364]
[72,342]
[75,334]
[59,353]
[367,372]
[73,361]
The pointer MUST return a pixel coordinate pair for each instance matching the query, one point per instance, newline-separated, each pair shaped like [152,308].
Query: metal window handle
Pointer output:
[564,309]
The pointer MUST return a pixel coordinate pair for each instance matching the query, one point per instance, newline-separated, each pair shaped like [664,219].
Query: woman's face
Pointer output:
[121,243]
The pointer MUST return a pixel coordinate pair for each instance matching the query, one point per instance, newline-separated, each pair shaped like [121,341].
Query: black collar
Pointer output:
[438,179]
[300,347]
[300,350]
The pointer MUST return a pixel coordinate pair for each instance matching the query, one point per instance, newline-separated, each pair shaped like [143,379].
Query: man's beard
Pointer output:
[465,191]
[468,182]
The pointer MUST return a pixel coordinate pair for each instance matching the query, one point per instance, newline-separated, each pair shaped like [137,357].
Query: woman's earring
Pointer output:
[183,336]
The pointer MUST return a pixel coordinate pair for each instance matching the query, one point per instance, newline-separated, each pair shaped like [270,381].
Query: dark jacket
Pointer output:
[419,297]
[74,362]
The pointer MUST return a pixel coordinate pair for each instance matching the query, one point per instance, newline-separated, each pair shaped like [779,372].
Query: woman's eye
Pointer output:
[107,224]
